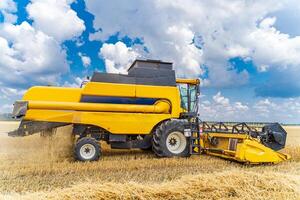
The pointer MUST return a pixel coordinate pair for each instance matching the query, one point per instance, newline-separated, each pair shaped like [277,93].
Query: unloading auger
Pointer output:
[147,109]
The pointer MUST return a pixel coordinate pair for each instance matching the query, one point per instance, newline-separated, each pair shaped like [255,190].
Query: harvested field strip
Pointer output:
[42,167]
[233,184]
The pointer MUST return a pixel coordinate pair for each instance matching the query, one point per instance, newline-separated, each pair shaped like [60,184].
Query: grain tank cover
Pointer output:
[142,72]
[150,64]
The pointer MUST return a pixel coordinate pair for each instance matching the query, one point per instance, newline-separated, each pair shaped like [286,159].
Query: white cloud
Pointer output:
[8,8]
[56,18]
[8,5]
[32,54]
[86,61]
[117,57]
[7,93]
[79,41]
[263,68]
[9,17]
[227,28]
[6,108]
[267,23]
[272,48]
[240,106]
[74,83]
[220,108]
[237,50]
[29,56]
[6,96]
[219,99]
[284,110]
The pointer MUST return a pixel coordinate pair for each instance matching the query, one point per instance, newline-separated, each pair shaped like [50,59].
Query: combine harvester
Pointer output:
[147,109]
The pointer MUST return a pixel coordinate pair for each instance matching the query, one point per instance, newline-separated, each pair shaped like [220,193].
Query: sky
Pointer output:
[245,52]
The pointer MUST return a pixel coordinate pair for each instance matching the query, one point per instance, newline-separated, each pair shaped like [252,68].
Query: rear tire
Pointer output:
[87,149]
[169,140]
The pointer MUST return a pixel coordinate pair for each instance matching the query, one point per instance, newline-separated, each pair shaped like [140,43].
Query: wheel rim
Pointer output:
[176,142]
[87,151]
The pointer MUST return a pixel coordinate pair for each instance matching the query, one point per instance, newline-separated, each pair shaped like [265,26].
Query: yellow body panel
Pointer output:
[109,89]
[246,149]
[56,104]
[57,94]
[118,123]
[188,81]
[254,152]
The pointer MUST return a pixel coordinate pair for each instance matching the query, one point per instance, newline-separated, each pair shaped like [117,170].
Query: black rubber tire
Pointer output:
[83,141]
[160,136]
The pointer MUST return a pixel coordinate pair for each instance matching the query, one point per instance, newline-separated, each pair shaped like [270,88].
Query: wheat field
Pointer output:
[36,167]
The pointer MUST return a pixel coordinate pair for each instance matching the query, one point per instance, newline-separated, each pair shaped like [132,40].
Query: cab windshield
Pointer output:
[189,97]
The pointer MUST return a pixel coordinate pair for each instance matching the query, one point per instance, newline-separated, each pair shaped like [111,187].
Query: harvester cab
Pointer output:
[148,109]
[189,96]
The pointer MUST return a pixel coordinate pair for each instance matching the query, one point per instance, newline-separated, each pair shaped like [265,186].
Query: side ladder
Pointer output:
[195,145]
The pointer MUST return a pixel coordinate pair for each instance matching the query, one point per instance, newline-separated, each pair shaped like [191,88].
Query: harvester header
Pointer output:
[149,109]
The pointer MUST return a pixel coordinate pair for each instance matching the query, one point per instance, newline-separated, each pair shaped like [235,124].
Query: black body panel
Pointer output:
[142,72]
[118,100]
[31,127]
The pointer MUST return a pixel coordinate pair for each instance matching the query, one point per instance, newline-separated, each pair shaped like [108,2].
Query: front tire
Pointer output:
[169,140]
[87,149]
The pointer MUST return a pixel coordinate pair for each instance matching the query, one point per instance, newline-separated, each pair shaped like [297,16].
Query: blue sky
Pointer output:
[246,53]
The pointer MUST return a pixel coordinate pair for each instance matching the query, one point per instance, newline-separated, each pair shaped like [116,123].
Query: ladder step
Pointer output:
[195,152]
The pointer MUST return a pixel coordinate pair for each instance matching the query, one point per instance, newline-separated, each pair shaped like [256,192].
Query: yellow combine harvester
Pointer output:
[147,109]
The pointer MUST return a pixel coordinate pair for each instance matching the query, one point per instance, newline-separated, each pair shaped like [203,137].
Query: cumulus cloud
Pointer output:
[86,61]
[56,18]
[221,108]
[169,30]
[275,49]
[6,108]
[32,54]
[240,106]
[8,8]
[74,83]
[263,107]
[219,99]
[8,5]
[286,110]
[6,96]
[117,57]
[7,93]
[29,56]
